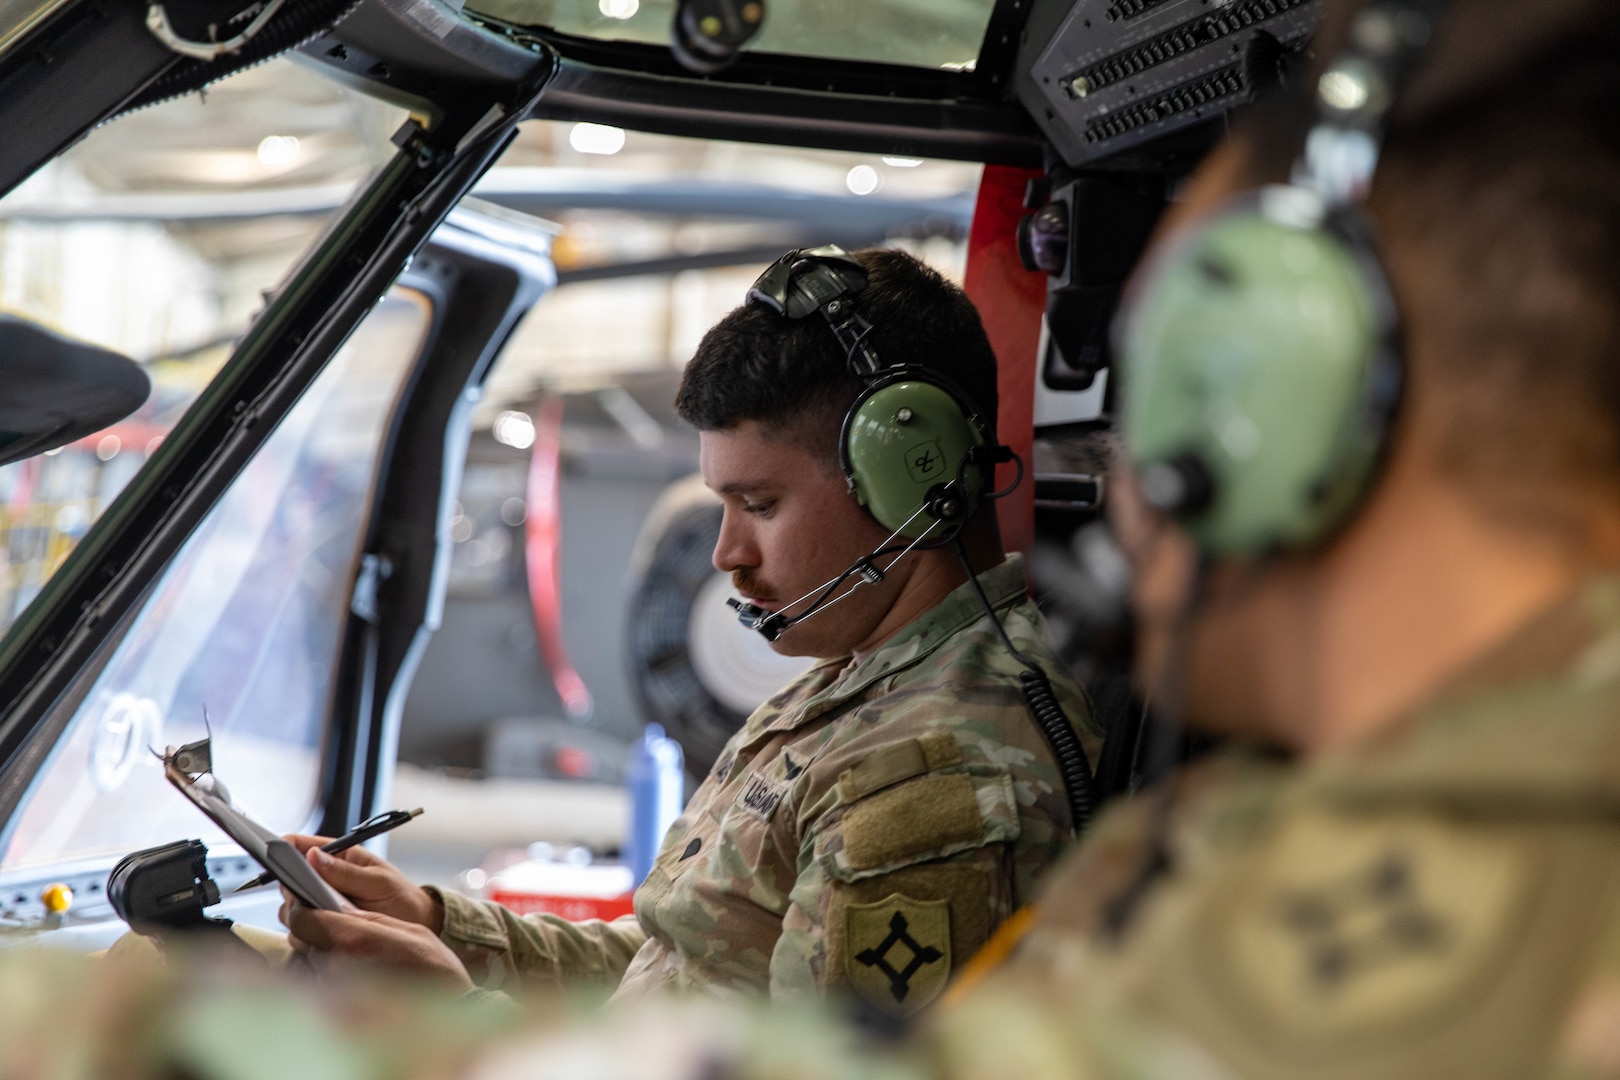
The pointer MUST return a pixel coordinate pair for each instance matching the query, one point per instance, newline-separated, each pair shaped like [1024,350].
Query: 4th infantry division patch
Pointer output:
[897,951]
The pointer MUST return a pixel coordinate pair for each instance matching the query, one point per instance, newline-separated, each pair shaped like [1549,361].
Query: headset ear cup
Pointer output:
[904,438]
[1261,349]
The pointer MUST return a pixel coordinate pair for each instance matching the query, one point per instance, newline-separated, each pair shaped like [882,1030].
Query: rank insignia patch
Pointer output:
[897,952]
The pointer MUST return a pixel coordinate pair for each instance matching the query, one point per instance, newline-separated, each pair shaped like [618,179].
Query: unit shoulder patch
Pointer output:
[897,952]
[1356,929]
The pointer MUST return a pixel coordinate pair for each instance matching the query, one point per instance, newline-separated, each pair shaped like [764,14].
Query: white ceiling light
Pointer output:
[862,180]
[596,139]
[513,429]
[618,9]
[903,162]
[278,150]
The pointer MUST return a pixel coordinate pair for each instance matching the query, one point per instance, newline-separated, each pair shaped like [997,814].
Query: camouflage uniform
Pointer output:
[867,829]
[1441,900]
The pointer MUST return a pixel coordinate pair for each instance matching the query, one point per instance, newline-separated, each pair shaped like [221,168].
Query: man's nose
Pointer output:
[735,547]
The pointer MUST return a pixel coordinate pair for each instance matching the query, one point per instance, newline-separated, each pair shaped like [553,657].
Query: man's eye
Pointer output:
[760,508]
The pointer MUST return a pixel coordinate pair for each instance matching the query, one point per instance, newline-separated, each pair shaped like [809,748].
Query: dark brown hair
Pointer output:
[792,377]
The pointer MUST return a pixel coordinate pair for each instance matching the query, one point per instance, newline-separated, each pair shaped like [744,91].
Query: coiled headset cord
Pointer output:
[1048,713]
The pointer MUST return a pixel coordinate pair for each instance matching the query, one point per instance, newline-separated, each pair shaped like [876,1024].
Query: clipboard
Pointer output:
[190,769]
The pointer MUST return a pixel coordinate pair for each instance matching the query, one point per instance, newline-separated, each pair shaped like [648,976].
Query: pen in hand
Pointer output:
[362,832]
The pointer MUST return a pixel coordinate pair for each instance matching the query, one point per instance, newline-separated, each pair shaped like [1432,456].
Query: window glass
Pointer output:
[158,236]
[919,33]
[244,624]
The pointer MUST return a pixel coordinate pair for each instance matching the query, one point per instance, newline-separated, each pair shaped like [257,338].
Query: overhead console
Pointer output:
[1129,94]
[1105,76]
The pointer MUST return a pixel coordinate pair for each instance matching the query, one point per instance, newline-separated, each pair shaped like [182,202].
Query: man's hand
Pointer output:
[374,938]
[372,883]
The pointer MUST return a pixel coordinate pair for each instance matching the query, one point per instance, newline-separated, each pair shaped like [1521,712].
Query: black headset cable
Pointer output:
[1043,705]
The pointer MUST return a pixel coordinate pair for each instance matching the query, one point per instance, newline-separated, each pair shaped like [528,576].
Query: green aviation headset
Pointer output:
[914,448]
[1261,350]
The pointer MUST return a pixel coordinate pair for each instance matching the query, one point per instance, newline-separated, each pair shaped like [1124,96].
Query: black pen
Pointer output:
[362,832]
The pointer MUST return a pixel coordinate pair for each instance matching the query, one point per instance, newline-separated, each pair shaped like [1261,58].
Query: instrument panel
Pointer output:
[1118,73]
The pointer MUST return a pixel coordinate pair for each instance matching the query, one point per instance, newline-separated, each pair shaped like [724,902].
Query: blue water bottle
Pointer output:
[656,782]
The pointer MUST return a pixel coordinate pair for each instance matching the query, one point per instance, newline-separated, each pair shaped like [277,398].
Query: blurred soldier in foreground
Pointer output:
[1375,527]
[1408,865]
[876,820]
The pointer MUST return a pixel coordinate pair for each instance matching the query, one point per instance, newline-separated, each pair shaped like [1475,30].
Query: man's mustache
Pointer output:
[748,585]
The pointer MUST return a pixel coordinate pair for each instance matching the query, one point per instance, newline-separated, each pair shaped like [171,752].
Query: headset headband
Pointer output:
[808,280]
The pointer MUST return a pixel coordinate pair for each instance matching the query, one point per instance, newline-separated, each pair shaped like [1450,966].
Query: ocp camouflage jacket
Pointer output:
[1441,899]
[866,830]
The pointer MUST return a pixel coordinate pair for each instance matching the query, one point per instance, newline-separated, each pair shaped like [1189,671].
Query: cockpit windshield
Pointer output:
[917,33]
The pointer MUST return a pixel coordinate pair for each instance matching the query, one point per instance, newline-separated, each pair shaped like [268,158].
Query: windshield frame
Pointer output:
[989,80]
[993,52]
[797,100]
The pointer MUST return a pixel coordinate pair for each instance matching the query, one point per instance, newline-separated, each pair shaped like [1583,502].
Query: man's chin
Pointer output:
[818,642]
[788,645]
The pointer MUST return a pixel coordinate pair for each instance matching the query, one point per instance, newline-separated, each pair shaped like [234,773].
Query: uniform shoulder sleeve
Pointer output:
[913,801]
[903,877]
[504,950]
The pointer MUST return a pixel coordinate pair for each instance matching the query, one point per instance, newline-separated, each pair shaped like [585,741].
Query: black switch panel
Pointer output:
[1114,74]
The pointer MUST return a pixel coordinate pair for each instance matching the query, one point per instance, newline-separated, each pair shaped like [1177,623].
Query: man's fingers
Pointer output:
[372,883]
[358,933]
[352,879]
[375,938]
[308,927]
[357,854]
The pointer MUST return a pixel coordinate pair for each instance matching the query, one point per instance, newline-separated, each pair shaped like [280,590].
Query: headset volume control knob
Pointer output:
[903,416]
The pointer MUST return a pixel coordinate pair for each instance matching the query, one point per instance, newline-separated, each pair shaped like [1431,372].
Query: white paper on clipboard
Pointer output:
[189,769]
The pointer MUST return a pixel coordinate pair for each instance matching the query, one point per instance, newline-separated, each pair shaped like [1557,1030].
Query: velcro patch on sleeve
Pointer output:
[897,763]
[925,815]
[940,750]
